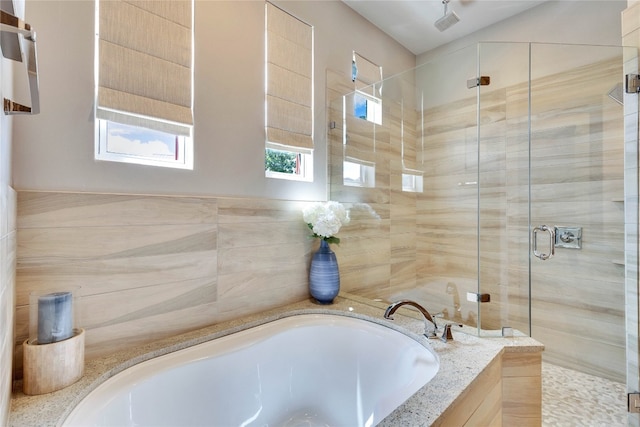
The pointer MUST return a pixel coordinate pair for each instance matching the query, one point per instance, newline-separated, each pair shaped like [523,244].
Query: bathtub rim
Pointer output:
[308,316]
[187,343]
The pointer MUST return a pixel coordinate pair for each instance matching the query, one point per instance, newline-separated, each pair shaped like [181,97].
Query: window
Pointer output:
[357,173]
[134,144]
[367,107]
[288,165]
[412,182]
[144,82]
[288,96]
[412,176]
[362,112]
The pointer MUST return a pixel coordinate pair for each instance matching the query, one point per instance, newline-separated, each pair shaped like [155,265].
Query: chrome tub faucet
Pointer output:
[428,332]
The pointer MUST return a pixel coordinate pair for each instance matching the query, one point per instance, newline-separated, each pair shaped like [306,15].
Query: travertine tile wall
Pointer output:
[577,169]
[152,266]
[631,37]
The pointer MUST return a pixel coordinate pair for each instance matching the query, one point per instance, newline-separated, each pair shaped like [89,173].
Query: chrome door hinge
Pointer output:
[473,297]
[633,404]
[632,83]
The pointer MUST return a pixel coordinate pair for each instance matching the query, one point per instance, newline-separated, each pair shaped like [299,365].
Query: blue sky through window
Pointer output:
[360,107]
[137,141]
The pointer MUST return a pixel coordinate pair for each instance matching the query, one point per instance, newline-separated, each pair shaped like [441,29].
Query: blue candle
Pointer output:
[55,317]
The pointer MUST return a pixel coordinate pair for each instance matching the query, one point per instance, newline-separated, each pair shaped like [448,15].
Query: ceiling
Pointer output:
[411,22]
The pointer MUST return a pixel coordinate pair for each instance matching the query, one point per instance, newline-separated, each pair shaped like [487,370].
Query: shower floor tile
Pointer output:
[571,398]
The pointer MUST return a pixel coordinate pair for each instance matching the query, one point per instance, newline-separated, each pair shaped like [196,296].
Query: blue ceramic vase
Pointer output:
[324,278]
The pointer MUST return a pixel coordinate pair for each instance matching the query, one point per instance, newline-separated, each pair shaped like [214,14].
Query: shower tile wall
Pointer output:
[578,179]
[369,253]
[578,152]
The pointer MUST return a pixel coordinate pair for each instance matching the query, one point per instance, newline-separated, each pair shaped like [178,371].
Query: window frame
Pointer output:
[184,160]
[412,181]
[305,167]
[366,177]
[113,111]
[374,115]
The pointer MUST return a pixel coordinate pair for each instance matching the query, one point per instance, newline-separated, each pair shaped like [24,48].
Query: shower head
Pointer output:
[448,19]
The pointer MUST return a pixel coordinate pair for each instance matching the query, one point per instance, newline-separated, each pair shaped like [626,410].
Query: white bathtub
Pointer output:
[305,370]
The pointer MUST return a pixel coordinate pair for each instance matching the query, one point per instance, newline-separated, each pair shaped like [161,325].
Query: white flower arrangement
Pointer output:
[325,220]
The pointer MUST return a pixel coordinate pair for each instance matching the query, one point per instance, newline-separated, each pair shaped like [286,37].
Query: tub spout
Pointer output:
[388,314]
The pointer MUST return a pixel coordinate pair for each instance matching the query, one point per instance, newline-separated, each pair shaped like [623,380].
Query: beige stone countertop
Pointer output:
[461,361]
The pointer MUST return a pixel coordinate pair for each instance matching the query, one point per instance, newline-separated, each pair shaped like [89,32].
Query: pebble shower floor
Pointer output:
[575,399]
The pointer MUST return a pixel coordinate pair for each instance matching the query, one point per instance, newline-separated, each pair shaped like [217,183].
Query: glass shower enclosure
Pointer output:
[498,179]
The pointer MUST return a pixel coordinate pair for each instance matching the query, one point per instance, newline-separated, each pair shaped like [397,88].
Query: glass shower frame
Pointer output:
[473,207]
[554,161]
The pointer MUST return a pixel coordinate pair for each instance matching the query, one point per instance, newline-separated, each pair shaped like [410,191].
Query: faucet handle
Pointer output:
[446,334]
[430,334]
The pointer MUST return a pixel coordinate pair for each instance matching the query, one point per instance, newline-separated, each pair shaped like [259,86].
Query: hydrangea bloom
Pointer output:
[325,219]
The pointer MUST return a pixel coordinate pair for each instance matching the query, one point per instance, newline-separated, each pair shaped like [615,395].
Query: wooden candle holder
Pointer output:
[51,367]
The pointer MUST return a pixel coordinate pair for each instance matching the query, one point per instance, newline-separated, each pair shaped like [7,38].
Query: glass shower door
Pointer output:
[558,203]
[576,218]
[503,186]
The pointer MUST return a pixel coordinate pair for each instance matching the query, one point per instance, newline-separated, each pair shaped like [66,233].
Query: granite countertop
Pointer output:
[461,361]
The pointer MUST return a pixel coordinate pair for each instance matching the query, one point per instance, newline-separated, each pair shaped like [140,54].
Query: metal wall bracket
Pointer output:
[11,28]
[632,83]
[478,81]
[633,404]
[473,297]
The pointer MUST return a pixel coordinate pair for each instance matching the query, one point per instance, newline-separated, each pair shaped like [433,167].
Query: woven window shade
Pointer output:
[360,146]
[289,121]
[145,73]
[368,72]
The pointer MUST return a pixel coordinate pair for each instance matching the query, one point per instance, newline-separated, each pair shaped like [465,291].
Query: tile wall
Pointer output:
[150,266]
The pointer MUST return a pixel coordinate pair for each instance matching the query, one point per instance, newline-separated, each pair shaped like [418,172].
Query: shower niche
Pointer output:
[471,152]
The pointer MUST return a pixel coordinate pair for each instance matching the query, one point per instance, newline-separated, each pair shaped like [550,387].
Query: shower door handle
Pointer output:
[552,240]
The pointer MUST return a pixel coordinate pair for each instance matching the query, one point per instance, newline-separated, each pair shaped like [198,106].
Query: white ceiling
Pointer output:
[410,22]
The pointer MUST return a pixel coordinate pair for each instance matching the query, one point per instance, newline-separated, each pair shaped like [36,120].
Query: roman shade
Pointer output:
[365,72]
[289,82]
[360,144]
[145,75]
